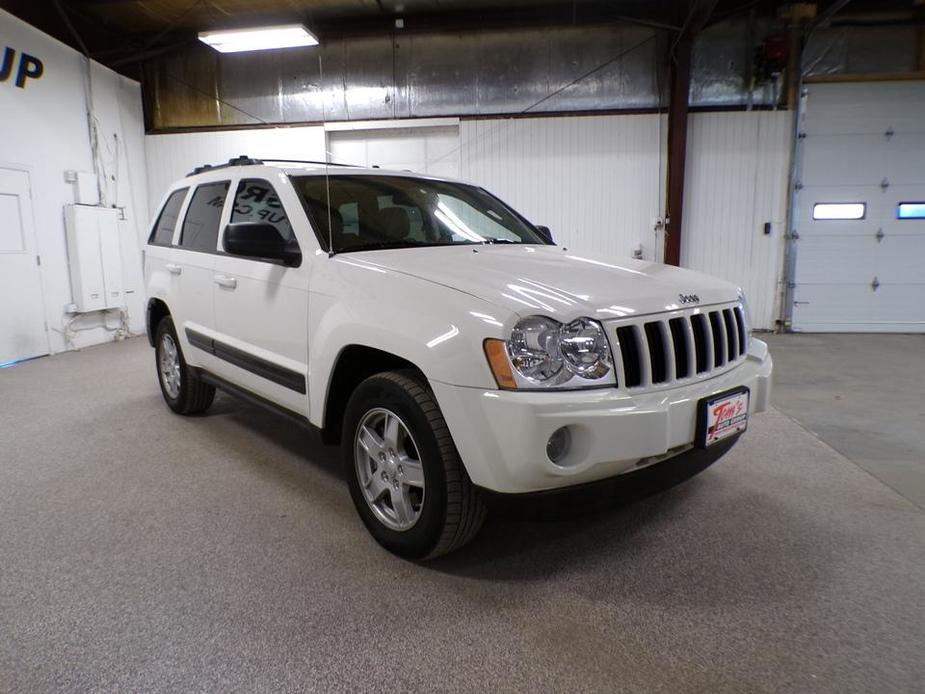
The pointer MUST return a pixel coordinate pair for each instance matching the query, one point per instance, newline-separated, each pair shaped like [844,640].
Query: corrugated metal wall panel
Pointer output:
[736,181]
[596,181]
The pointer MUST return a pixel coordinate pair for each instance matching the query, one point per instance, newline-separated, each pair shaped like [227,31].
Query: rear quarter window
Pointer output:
[162,234]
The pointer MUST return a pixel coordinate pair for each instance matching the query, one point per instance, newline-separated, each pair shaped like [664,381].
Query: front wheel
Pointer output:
[182,390]
[406,479]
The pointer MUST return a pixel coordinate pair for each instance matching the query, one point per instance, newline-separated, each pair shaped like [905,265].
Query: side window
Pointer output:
[256,201]
[200,227]
[162,234]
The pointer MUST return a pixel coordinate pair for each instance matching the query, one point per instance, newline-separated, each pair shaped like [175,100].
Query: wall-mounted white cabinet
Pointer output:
[95,257]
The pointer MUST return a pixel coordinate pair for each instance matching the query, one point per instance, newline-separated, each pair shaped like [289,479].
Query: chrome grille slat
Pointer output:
[670,359]
[681,346]
[645,359]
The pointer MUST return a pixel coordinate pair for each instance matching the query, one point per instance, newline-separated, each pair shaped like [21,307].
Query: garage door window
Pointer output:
[910,210]
[839,210]
[200,227]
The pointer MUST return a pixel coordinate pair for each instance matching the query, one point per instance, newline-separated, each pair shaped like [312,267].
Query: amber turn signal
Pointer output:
[496,351]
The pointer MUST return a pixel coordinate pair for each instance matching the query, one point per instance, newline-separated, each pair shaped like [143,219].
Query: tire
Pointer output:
[447,510]
[184,393]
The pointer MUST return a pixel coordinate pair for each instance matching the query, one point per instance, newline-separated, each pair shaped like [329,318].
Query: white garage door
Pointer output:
[430,150]
[860,214]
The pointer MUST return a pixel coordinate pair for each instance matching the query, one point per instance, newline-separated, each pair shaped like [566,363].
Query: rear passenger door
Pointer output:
[261,305]
[193,263]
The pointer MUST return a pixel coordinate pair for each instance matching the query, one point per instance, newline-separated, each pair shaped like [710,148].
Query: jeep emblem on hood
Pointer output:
[688,298]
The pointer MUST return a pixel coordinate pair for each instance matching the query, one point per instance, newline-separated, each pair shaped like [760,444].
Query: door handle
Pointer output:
[173,268]
[226,281]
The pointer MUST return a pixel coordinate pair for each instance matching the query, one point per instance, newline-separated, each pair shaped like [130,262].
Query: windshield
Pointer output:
[374,212]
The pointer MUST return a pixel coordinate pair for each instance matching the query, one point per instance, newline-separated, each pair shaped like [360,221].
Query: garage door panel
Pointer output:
[833,159]
[856,308]
[880,211]
[872,196]
[900,258]
[840,260]
[834,109]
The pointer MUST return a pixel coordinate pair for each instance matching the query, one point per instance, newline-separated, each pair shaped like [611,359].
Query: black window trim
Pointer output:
[185,190]
[863,203]
[909,202]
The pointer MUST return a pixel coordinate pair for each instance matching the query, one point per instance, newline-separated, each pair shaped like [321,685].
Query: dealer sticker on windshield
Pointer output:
[722,416]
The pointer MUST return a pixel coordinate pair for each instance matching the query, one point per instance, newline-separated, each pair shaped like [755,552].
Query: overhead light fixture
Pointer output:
[259,38]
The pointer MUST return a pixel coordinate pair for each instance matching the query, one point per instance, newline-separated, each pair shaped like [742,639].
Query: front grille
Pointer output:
[681,345]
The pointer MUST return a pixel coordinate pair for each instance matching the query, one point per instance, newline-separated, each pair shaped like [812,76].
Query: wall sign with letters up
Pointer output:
[27,67]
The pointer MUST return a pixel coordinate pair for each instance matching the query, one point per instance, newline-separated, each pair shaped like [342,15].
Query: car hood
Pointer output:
[554,281]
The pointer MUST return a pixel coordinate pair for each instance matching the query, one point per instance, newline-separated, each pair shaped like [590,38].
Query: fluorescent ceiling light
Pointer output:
[839,210]
[259,38]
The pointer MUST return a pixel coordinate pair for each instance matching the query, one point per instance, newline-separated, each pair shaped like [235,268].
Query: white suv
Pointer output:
[443,339]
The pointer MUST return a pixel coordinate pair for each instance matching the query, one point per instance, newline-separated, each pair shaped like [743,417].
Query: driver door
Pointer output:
[261,306]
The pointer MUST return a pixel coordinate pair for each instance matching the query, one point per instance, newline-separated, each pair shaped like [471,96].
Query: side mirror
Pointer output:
[260,240]
[545,233]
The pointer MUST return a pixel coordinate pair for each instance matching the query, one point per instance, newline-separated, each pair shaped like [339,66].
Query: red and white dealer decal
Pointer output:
[726,417]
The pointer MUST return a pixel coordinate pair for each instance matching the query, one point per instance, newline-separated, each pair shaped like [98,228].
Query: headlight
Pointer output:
[544,353]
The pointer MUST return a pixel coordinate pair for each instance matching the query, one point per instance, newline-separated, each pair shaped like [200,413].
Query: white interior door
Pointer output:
[863,145]
[426,150]
[22,309]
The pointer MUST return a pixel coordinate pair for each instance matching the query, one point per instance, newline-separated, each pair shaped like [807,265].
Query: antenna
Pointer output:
[327,156]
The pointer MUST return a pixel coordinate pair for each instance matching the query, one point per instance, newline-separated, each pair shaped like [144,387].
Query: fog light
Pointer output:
[558,445]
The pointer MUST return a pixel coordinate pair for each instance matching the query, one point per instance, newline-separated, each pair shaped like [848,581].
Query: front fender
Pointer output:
[438,329]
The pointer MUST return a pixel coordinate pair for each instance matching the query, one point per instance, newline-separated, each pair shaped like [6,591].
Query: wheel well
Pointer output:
[355,364]
[157,309]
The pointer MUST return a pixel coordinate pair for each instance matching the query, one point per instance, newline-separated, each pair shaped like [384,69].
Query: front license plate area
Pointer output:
[721,416]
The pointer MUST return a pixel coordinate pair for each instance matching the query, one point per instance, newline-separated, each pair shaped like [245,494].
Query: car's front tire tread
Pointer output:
[464,505]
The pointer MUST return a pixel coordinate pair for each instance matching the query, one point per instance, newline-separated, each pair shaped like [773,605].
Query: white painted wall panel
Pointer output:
[596,181]
[45,133]
[430,150]
[170,157]
[736,180]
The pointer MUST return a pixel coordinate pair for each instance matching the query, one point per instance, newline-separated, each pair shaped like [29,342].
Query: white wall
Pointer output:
[596,181]
[736,180]
[45,132]
[170,157]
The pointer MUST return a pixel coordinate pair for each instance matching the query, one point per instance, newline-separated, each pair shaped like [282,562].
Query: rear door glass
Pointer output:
[200,227]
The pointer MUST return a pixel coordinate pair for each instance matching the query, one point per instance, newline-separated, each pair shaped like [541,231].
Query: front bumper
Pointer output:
[501,435]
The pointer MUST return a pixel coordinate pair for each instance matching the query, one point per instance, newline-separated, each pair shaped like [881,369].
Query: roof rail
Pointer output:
[311,161]
[244,160]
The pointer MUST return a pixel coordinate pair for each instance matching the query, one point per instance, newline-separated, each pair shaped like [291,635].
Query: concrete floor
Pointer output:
[142,551]
[864,395]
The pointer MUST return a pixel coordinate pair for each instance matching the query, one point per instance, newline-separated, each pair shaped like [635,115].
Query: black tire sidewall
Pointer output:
[177,404]
[418,541]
